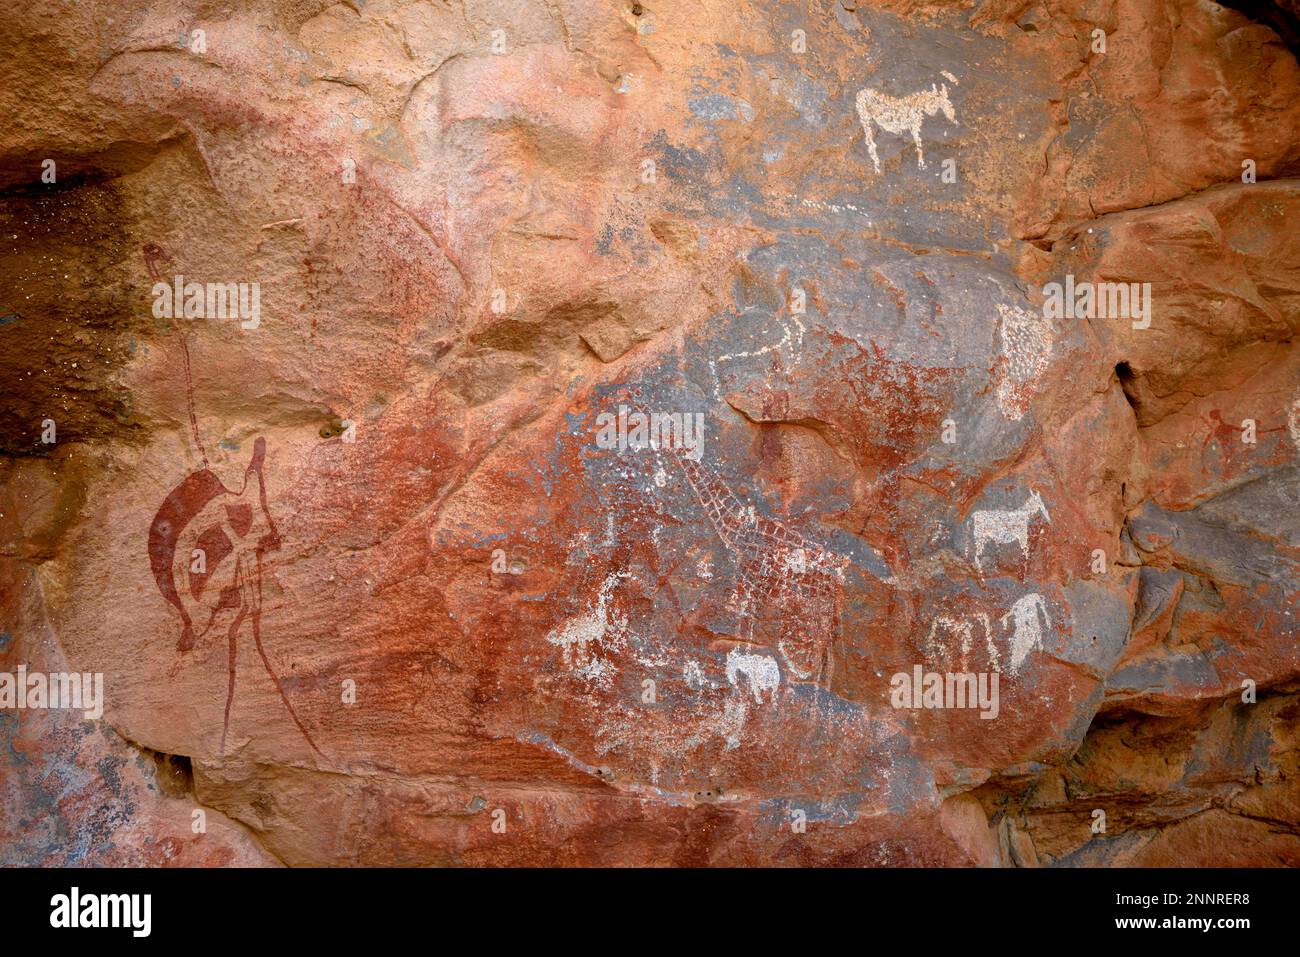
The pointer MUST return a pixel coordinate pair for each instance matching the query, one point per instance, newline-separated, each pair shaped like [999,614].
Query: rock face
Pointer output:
[335,337]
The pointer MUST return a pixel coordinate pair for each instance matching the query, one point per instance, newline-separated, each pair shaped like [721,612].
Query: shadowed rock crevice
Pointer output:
[1214,784]
[1280,16]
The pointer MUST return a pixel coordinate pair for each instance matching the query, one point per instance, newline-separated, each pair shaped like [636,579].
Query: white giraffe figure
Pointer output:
[993,526]
[761,671]
[775,564]
[1028,634]
[898,114]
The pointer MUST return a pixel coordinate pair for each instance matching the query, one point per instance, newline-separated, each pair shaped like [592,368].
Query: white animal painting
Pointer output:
[1293,420]
[1028,633]
[995,526]
[898,114]
[600,626]
[762,672]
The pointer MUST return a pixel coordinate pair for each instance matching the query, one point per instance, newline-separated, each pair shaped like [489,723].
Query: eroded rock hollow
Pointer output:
[681,432]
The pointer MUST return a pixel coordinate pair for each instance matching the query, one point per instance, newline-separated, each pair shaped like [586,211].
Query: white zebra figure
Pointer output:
[898,114]
[995,526]
[762,672]
[1028,633]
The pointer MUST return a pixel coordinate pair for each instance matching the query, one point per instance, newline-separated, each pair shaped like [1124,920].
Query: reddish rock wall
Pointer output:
[367,585]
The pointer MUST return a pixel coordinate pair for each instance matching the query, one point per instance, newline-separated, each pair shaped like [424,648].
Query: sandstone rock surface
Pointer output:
[367,587]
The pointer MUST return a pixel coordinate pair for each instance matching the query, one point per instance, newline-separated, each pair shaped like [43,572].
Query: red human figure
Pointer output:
[204,532]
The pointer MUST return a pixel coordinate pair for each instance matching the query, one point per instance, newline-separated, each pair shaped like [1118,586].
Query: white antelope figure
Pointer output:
[993,526]
[898,114]
[1028,634]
